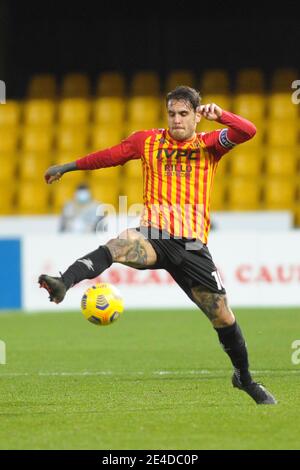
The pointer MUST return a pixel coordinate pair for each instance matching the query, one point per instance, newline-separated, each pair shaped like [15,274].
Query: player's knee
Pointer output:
[118,248]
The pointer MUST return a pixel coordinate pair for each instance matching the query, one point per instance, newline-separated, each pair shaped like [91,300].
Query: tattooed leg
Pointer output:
[214,306]
[132,249]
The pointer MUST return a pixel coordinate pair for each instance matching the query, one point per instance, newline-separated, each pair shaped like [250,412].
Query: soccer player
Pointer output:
[179,165]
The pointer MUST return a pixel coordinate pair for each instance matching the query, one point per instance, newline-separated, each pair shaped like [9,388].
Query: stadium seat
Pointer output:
[218,200]
[105,136]
[144,109]
[33,198]
[251,106]
[112,174]
[42,86]
[74,112]
[7,203]
[75,85]
[214,81]
[279,193]
[111,84]
[135,126]
[244,194]
[222,100]
[39,112]
[179,77]
[72,138]
[282,79]
[36,139]
[133,169]
[281,161]
[10,114]
[281,107]
[8,165]
[250,80]
[133,189]
[222,169]
[8,140]
[105,192]
[282,133]
[145,84]
[209,126]
[73,177]
[33,166]
[109,110]
[245,161]
[64,191]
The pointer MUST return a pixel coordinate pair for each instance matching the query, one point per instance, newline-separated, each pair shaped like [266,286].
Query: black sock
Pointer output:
[88,267]
[233,343]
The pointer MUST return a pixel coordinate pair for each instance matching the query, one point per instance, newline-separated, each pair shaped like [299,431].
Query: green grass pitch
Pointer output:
[152,380]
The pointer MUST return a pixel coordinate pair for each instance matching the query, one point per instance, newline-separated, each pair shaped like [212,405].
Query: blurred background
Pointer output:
[79,79]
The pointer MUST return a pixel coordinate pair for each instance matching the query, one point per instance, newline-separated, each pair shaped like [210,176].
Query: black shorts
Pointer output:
[188,261]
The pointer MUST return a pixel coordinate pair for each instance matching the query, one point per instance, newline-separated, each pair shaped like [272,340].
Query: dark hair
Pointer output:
[185,93]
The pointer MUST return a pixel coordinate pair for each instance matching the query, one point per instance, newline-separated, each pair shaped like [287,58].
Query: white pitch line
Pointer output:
[169,373]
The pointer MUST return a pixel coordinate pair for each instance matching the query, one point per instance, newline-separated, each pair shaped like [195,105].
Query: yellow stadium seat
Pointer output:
[105,192]
[132,127]
[282,79]
[7,203]
[281,107]
[218,196]
[109,110]
[72,138]
[279,193]
[75,85]
[280,132]
[250,80]
[244,194]
[74,111]
[251,106]
[42,86]
[133,189]
[8,165]
[222,168]
[36,139]
[105,136]
[221,100]
[39,112]
[179,77]
[110,84]
[144,109]
[33,198]
[34,165]
[10,114]
[110,175]
[214,81]
[145,83]
[281,161]
[209,126]
[63,191]
[133,169]
[245,161]
[8,140]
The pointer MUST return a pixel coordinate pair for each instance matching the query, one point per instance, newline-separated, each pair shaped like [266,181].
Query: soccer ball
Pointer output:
[102,304]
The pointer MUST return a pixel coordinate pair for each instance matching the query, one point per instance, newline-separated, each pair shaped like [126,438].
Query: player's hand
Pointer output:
[54,173]
[210,111]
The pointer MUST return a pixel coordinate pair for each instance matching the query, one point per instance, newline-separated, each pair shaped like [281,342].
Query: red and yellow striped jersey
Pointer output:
[177,175]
